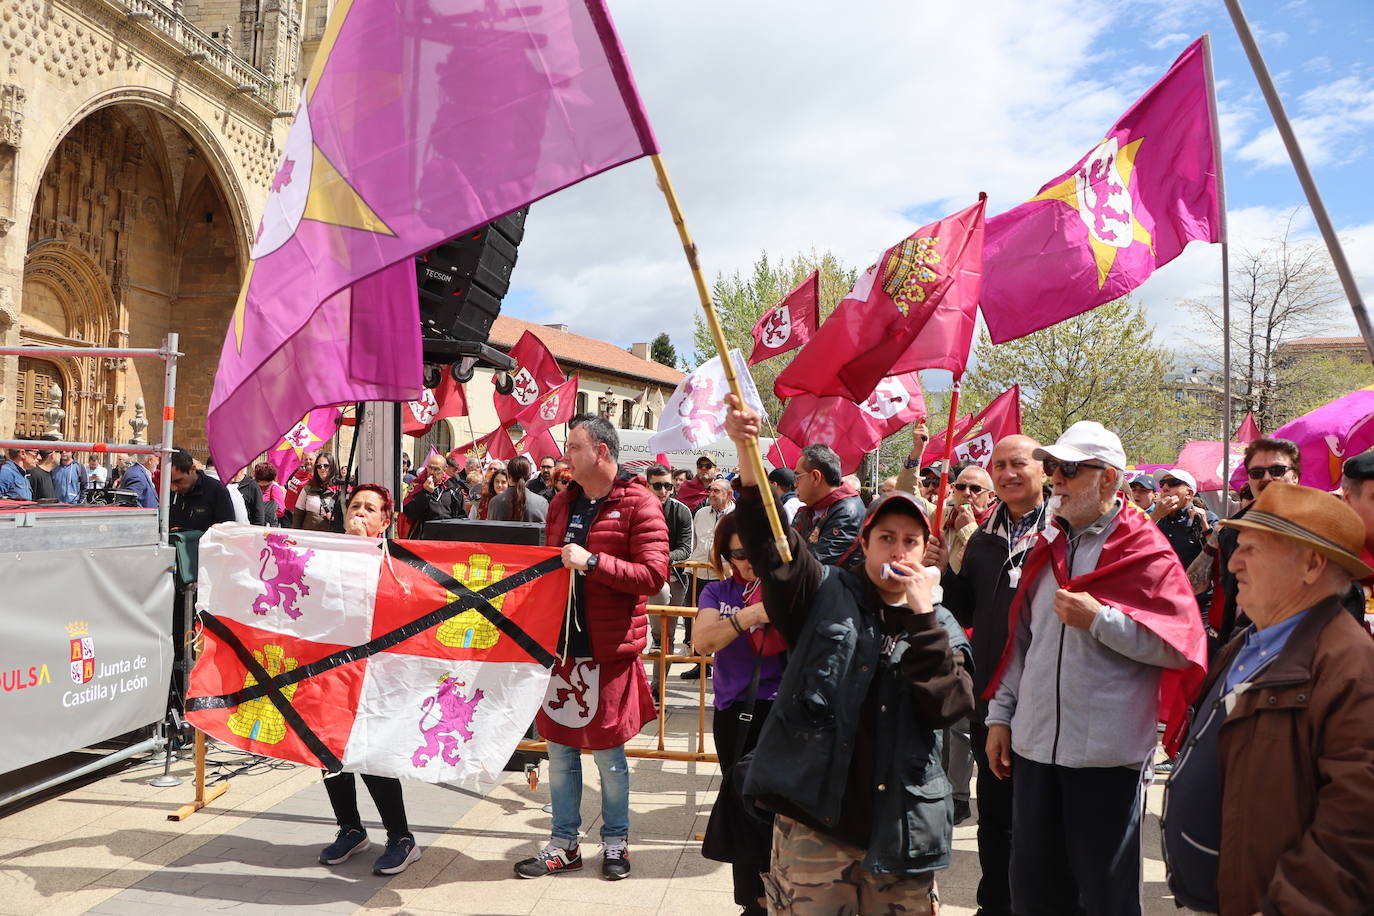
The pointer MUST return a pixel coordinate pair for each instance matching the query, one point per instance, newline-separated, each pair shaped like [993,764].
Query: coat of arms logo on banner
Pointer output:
[82,647]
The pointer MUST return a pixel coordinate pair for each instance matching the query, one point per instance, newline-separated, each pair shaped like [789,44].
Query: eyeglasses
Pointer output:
[324,465]
[1275,471]
[1171,482]
[738,554]
[1069,469]
[662,485]
[546,467]
[973,488]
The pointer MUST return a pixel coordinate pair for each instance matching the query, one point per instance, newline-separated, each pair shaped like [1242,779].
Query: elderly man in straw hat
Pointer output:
[1270,806]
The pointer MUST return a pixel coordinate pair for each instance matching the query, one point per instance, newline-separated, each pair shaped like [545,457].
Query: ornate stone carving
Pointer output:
[53,413]
[139,423]
[11,115]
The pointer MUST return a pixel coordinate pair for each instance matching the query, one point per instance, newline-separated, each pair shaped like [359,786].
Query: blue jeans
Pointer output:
[565,788]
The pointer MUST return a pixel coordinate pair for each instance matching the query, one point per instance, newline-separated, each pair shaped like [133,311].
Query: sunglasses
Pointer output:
[324,466]
[662,485]
[973,488]
[1275,471]
[1069,469]
[1171,482]
[737,554]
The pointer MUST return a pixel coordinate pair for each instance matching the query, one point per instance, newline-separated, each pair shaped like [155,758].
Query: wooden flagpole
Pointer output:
[947,457]
[1225,282]
[1309,185]
[753,455]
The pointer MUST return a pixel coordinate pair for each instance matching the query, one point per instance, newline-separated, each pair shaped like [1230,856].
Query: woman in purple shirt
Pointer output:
[731,623]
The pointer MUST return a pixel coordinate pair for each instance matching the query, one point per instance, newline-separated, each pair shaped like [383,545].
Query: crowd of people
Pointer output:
[1061,633]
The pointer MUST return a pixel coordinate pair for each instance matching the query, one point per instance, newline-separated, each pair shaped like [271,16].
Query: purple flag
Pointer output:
[309,435]
[1326,437]
[418,123]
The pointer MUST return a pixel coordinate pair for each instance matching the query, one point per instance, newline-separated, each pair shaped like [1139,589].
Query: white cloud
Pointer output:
[1169,41]
[1330,121]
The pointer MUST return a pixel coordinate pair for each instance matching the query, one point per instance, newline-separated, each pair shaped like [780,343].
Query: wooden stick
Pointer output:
[203,797]
[752,455]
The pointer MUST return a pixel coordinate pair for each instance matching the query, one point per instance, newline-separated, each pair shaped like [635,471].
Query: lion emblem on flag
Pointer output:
[446,717]
[702,410]
[777,328]
[525,389]
[287,583]
[424,408]
[549,409]
[888,399]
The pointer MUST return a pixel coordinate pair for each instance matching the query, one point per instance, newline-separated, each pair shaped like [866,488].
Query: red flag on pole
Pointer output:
[783,453]
[434,404]
[914,309]
[495,445]
[790,323]
[536,444]
[976,434]
[1249,429]
[554,407]
[851,429]
[536,372]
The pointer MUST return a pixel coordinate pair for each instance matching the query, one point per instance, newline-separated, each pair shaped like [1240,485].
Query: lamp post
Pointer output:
[606,405]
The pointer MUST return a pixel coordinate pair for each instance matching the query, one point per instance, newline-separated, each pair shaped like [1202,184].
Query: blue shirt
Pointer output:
[1259,650]
[138,480]
[67,480]
[14,483]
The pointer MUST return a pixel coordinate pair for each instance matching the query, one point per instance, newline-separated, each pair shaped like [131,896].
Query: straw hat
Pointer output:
[1312,518]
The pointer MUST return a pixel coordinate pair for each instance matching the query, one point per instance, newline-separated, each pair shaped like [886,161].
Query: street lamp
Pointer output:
[606,404]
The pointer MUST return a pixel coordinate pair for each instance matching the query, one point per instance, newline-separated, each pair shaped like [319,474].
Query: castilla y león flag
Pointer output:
[1100,229]
[790,323]
[418,122]
[976,434]
[398,658]
[914,309]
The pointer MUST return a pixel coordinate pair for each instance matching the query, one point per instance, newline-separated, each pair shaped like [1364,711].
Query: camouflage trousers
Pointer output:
[814,875]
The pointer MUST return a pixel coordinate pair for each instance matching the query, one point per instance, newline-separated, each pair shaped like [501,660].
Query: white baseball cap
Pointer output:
[1181,476]
[1086,440]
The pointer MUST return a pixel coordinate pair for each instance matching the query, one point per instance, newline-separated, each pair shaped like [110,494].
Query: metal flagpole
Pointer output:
[752,453]
[947,458]
[1225,283]
[1309,186]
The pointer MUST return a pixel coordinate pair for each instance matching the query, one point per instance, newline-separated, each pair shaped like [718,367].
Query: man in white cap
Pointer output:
[1105,642]
[1184,524]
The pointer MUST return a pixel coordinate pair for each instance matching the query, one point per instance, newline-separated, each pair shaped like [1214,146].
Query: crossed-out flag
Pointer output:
[914,309]
[851,429]
[417,124]
[695,414]
[536,374]
[419,659]
[1326,437]
[313,431]
[976,434]
[1128,206]
[790,323]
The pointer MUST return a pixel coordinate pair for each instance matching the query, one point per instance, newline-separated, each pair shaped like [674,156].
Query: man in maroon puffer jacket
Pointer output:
[615,539]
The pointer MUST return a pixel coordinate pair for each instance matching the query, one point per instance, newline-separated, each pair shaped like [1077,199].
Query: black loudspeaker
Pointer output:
[462,282]
[529,534]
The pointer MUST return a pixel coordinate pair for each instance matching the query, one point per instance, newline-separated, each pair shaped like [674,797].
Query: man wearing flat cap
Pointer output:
[1358,493]
[1271,801]
[1105,643]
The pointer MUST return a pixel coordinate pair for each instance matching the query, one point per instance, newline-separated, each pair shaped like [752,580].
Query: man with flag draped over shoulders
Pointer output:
[1104,643]
[614,536]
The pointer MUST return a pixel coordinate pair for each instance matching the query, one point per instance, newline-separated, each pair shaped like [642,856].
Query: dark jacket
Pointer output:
[630,540]
[806,764]
[252,502]
[1296,764]
[679,520]
[206,503]
[447,501]
[835,536]
[980,593]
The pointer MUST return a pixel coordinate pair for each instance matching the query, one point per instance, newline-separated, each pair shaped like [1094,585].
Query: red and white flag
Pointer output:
[790,323]
[494,446]
[554,407]
[976,434]
[537,444]
[434,404]
[405,658]
[536,372]
[854,430]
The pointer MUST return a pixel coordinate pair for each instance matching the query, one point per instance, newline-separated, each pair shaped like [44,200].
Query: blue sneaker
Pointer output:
[350,840]
[397,856]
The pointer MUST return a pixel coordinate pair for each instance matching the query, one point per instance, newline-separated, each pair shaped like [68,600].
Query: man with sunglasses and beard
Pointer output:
[1105,642]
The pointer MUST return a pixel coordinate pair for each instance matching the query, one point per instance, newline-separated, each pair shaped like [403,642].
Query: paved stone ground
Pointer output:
[107,849]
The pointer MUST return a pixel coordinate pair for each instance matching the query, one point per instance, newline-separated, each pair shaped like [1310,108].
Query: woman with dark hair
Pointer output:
[318,502]
[518,503]
[368,515]
[273,493]
[497,482]
[732,624]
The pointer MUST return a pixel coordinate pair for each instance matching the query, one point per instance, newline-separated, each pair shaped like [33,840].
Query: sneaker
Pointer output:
[551,860]
[1165,767]
[349,840]
[615,861]
[396,858]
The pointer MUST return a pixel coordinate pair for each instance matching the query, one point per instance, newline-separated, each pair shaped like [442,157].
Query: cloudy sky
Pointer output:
[804,125]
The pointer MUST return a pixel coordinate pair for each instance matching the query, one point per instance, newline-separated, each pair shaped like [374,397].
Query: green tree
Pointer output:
[741,300]
[1306,382]
[663,351]
[1103,365]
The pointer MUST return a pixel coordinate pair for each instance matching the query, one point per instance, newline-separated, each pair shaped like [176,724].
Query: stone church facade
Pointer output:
[137,141]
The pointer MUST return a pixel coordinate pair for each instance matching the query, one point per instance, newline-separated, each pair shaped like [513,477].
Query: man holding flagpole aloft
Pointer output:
[849,756]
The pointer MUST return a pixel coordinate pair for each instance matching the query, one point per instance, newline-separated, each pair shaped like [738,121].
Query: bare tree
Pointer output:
[1280,292]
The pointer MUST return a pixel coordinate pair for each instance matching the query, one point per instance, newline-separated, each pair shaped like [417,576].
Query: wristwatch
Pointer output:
[911,464]
[591,562]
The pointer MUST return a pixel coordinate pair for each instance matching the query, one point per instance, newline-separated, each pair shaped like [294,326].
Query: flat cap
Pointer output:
[1361,467]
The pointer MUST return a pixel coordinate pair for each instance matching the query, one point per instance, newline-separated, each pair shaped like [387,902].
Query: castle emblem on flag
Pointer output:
[444,718]
[907,273]
[82,648]
[258,719]
[472,629]
[287,584]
